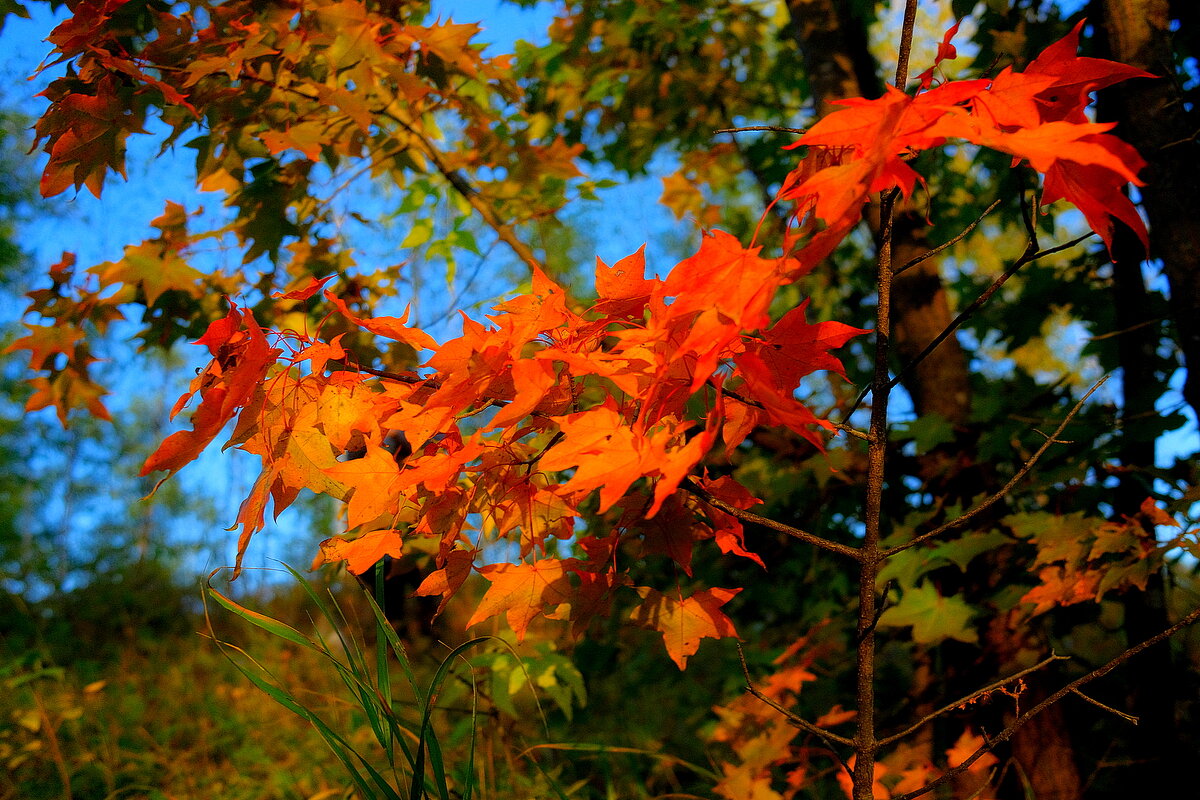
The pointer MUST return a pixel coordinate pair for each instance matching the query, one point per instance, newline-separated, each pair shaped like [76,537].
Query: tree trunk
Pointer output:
[1151,116]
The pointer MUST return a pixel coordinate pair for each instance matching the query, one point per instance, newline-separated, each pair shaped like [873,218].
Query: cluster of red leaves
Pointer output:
[1037,116]
[512,426]
[515,426]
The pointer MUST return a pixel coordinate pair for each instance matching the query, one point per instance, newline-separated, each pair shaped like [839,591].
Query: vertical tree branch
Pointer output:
[866,743]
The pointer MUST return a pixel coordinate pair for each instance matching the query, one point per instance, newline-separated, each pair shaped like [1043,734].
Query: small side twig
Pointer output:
[928,254]
[925,720]
[1070,688]
[772,128]
[766,522]
[965,314]
[883,605]
[828,737]
[1127,717]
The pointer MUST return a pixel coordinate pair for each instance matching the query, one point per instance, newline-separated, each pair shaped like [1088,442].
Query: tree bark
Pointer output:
[1151,116]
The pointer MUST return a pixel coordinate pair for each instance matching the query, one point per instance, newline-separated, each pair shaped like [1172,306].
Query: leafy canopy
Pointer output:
[548,411]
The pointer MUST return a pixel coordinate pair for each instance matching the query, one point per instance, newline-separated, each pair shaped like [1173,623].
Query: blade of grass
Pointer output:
[271,686]
[382,670]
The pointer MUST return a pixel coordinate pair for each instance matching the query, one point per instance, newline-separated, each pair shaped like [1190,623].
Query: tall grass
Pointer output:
[406,760]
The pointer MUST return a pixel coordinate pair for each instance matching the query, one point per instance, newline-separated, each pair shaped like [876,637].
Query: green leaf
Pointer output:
[933,618]
[420,233]
[962,550]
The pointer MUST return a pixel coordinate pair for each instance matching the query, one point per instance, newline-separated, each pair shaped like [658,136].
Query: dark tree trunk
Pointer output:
[1152,117]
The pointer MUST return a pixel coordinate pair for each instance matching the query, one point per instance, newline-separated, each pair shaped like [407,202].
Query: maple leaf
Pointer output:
[724,280]
[1157,516]
[321,353]
[671,532]
[154,268]
[372,480]
[523,591]
[241,359]
[45,341]
[362,552]
[252,511]
[730,536]
[448,579]
[622,290]
[313,286]
[792,348]
[933,618]
[533,380]
[946,52]
[65,390]
[608,454]
[389,327]
[685,621]
[1074,77]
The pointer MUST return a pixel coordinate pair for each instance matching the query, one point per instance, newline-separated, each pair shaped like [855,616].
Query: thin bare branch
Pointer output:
[1070,688]
[962,520]
[925,720]
[772,128]
[793,719]
[966,313]
[1127,717]
[766,522]
[928,254]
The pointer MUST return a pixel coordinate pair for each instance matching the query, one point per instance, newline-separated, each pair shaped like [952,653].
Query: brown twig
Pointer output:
[925,720]
[928,254]
[793,719]
[963,519]
[966,313]
[1127,717]
[766,522]
[773,128]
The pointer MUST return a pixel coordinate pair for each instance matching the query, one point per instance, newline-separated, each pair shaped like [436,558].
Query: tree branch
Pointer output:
[766,522]
[793,719]
[928,254]
[1026,258]
[772,128]
[895,737]
[960,521]
[1070,688]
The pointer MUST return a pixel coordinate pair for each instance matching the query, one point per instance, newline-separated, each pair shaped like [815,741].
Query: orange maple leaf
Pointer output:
[241,359]
[389,327]
[360,554]
[685,621]
[523,591]
[373,480]
[447,580]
